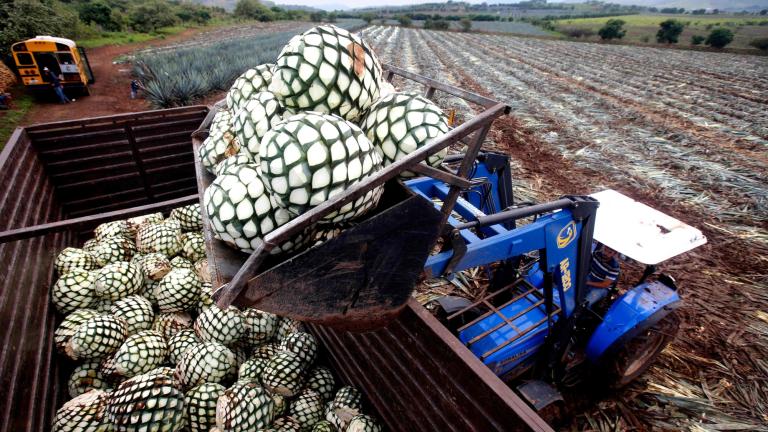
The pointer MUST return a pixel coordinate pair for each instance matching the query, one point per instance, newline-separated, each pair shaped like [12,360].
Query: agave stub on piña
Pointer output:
[247,85]
[401,123]
[327,69]
[221,142]
[312,157]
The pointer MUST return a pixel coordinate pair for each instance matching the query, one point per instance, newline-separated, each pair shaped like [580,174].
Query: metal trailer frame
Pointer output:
[414,372]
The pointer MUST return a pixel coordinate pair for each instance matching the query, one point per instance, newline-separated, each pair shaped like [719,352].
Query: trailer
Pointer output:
[62,179]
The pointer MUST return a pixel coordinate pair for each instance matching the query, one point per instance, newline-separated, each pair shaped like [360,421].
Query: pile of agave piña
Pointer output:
[154,353]
[298,132]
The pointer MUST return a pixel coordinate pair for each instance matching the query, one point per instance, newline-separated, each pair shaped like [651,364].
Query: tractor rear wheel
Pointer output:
[637,355]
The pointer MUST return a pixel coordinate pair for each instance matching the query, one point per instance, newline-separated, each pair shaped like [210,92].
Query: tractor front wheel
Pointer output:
[637,355]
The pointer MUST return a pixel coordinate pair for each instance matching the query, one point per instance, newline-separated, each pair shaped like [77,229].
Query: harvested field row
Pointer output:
[685,132]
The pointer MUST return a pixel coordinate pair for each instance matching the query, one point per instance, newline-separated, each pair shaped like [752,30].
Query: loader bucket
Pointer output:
[363,278]
[358,280]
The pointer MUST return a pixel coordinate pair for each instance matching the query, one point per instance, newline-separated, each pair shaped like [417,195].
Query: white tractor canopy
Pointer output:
[640,232]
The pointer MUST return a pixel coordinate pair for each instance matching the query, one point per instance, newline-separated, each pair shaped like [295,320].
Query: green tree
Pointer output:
[23,19]
[719,38]
[332,17]
[613,29]
[761,44]
[404,20]
[98,13]
[368,18]
[697,40]
[436,24]
[189,12]
[253,9]
[466,24]
[669,31]
[317,16]
[151,15]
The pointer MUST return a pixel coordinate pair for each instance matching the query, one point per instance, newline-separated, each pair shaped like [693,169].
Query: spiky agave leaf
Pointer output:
[310,158]
[330,70]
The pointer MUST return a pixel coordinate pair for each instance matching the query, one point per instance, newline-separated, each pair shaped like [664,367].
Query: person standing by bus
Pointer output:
[58,87]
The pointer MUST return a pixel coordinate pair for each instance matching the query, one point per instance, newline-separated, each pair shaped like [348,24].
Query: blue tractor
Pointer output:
[547,319]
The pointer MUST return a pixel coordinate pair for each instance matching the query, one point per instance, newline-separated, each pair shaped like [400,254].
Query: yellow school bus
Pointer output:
[61,56]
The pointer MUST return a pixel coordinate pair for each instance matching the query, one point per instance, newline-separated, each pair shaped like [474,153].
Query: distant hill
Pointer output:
[725,5]
[230,5]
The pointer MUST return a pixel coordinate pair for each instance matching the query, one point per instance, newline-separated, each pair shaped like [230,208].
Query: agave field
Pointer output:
[685,132]
[178,75]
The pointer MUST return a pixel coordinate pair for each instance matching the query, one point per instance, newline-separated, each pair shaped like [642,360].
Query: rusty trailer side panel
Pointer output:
[40,167]
[419,377]
[28,373]
[105,163]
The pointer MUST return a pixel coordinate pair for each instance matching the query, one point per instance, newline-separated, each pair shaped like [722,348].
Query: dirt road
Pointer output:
[110,94]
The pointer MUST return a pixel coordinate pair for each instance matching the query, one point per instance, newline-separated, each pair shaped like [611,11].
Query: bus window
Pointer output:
[67,64]
[25,59]
[47,60]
